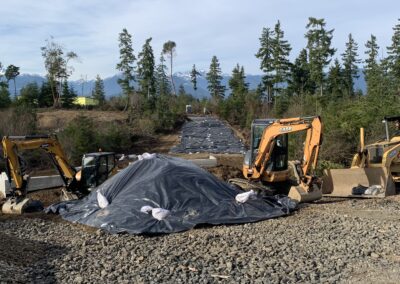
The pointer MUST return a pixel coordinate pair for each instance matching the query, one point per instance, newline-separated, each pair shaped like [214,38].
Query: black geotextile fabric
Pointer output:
[208,134]
[192,195]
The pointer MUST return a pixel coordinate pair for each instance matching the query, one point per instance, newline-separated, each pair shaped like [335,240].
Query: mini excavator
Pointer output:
[266,166]
[95,169]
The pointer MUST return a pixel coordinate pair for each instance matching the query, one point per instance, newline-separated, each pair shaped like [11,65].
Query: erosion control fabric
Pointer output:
[161,194]
[207,134]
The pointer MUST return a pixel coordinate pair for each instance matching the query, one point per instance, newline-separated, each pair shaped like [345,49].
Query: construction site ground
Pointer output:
[328,241]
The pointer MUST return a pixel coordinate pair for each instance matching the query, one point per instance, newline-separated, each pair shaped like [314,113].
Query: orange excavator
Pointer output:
[266,166]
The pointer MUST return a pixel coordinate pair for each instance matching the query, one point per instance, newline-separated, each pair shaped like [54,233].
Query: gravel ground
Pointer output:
[334,240]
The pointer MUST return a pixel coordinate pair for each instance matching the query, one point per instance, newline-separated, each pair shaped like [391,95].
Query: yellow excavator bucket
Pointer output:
[358,182]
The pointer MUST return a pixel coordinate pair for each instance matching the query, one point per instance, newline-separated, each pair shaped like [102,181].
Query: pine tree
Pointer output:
[350,61]
[237,82]
[68,96]
[214,78]
[5,100]
[393,59]
[371,67]
[146,68]
[127,58]
[163,90]
[299,82]
[193,77]
[45,96]
[11,73]
[98,91]
[169,50]
[319,49]
[336,80]
[265,54]
[29,95]
[181,90]
[162,85]
[280,52]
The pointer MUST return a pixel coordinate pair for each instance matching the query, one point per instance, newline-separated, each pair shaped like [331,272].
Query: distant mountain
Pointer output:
[112,88]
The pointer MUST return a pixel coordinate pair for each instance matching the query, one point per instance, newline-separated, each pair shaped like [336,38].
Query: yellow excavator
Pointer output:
[266,166]
[374,171]
[95,169]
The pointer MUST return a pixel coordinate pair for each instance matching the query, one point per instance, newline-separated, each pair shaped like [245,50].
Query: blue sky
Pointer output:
[229,29]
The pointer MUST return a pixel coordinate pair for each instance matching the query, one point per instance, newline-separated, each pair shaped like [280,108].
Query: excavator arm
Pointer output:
[12,145]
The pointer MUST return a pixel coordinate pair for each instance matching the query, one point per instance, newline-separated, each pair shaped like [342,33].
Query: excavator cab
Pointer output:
[278,162]
[96,168]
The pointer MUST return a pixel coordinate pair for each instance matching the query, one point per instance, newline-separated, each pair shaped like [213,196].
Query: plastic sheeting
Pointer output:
[181,194]
[207,134]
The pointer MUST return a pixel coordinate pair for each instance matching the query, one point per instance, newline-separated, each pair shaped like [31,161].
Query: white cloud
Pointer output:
[201,29]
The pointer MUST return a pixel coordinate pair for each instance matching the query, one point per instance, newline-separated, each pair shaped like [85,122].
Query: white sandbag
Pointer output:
[245,196]
[102,200]
[157,213]
[160,214]
[146,209]
[146,156]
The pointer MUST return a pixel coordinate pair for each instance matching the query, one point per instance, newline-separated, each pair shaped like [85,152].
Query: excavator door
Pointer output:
[97,168]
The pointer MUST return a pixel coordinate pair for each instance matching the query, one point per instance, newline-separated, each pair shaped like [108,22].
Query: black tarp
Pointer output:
[208,134]
[192,195]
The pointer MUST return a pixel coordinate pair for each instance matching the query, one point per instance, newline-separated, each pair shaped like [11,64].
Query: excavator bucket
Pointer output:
[16,206]
[301,195]
[358,182]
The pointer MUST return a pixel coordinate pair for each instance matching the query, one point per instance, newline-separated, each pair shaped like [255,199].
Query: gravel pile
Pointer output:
[327,242]
[208,134]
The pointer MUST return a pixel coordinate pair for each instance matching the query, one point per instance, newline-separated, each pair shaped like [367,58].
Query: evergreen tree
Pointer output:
[319,49]
[68,96]
[45,98]
[181,90]
[280,52]
[193,77]
[11,73]
[350,60]
[237,100]
[162,85]
[146,74]
[265,54]
[336,80]
[98,91]
[237,82]
[371,67]
[5,100]
[169,50]
[299,82]
[393,59]
[29,95]
[214,78]
[127,58]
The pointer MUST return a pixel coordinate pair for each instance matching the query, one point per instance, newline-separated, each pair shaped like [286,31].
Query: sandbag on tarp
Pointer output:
[181,194]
